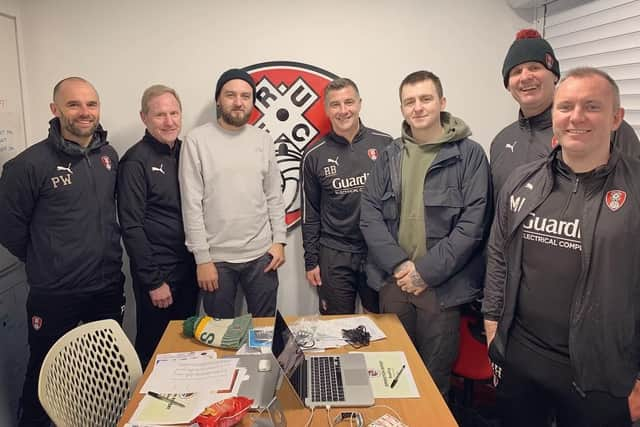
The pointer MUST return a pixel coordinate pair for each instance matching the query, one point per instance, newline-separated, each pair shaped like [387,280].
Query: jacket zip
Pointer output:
[98,205]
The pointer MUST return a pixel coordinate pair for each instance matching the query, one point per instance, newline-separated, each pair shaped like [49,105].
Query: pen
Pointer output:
[395,380]
[164,398]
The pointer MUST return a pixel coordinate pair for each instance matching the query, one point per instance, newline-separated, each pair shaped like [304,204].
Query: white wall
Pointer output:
[124,46]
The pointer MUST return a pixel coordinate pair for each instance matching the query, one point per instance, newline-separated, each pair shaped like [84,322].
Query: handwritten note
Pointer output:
[10,136]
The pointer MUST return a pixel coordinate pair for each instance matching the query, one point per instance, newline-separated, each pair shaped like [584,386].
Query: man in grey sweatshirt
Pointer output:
[232,204]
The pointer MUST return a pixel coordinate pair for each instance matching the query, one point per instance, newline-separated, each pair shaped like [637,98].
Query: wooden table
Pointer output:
[428,410]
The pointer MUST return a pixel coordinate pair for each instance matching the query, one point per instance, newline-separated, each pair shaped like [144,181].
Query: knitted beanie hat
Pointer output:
[233,74]
[529,46]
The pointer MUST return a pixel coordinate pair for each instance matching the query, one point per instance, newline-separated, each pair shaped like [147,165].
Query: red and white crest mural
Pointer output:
[289,106]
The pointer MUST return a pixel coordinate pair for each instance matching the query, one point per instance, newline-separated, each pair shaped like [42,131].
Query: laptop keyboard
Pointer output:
[326,379]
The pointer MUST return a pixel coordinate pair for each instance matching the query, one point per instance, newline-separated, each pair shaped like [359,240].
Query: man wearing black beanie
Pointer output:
[232,203]
[530,72]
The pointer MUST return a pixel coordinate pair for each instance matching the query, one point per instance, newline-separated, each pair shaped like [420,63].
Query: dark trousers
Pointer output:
[260,289]
[151,321]
[50,317]
[343,278]
[534,389]
[434,332]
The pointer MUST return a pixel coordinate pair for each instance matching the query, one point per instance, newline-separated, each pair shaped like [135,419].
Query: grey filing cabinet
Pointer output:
[14,349]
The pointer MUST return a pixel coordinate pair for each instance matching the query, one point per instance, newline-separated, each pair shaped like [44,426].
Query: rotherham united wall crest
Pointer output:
[289,106]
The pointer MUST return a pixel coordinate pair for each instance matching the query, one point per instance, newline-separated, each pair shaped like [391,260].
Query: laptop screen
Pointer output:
[288,353]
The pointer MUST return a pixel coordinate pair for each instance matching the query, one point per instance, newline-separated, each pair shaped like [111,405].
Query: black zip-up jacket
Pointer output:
[58,214]
[457,199]
[529,139]
[334,172]
[150,213]
[523,141]
[604,328]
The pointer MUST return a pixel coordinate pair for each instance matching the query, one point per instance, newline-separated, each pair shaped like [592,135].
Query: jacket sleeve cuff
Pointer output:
[393,259]
[491,317]
[311,262]
[155,286]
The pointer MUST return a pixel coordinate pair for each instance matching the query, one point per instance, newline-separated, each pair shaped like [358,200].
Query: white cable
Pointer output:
[308,423]
[392,410]
[329,423]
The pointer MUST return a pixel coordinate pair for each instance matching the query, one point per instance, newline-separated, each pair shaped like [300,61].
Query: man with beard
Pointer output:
[232,204]
[149,209]
[58,216]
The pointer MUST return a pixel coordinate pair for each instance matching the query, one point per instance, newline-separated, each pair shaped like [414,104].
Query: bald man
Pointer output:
[58,216]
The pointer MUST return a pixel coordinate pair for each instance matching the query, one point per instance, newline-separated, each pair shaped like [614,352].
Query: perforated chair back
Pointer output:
[88,376]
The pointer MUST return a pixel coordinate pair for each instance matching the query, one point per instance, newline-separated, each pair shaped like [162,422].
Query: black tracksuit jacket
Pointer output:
[334,172]
[604,327]
[58,214]
[150,213]
[529,139]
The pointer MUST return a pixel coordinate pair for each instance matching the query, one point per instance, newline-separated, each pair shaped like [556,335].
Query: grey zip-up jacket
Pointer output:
[604,328]
[457,200]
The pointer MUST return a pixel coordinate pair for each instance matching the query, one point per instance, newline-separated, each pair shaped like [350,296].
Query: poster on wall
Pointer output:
[290,107]
[12,139]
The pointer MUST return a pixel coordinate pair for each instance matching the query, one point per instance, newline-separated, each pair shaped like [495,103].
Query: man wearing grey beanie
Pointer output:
[530,73]
[232,204]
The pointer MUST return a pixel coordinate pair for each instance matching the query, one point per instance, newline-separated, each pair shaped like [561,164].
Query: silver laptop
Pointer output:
[261,385]
[335,380]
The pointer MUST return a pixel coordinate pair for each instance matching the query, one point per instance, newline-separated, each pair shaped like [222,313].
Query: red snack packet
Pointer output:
[225,413]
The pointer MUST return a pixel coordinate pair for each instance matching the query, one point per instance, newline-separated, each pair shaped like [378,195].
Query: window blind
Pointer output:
[603,34]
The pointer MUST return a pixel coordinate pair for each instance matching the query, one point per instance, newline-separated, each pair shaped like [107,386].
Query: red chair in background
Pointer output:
[473,361]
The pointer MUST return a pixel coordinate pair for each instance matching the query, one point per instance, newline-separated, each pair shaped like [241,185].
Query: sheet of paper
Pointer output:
[384,367]
[154,412]
[190,375]
[159,412]
[210,354]
[216,396]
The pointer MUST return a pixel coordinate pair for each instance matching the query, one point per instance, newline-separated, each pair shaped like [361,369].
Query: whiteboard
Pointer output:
[12,128]
[12,134]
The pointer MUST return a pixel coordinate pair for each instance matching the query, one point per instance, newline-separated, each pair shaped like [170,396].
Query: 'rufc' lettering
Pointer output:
[352,181]
[283,110]
[553,226]
[62,179]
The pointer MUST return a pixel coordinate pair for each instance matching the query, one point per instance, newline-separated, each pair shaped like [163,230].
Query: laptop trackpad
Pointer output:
[355,377]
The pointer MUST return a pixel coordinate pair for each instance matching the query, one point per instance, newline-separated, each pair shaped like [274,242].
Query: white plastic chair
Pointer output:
[89,375]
